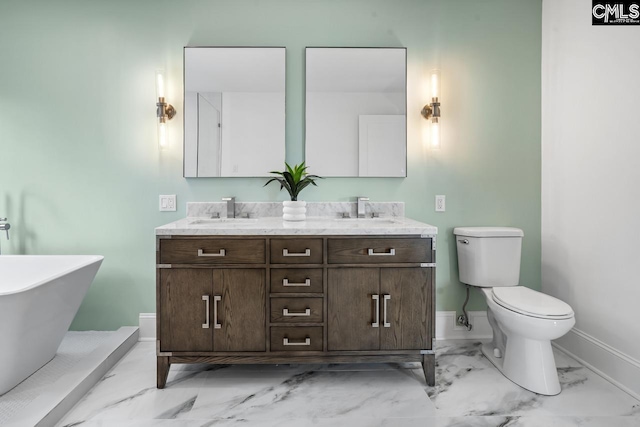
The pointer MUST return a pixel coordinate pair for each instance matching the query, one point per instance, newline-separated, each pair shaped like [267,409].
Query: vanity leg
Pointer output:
[163,370]
[429,368]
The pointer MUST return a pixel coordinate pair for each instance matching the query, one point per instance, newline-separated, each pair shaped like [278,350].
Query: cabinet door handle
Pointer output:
[307,341]
[376,298]
[391,252]
[307,252]
[384,310]
[286,312]
[285,282]
[221,253]
[205,298]
[216,298]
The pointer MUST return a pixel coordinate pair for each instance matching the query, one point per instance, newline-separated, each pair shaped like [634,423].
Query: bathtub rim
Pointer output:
[87,260]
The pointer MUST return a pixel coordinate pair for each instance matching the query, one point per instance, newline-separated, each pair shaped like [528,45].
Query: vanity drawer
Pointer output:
[296,310]
[296,280]
[296,251]
[296,338]
[379,250]
[212,251]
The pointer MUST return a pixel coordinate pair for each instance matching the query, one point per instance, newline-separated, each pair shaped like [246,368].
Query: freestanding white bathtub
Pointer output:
[39,297]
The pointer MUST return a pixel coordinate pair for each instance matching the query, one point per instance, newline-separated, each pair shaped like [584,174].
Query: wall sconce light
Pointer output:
[432,110]
[164,111]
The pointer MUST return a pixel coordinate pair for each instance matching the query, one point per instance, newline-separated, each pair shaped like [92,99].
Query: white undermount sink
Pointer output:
[368,220]
[204,221]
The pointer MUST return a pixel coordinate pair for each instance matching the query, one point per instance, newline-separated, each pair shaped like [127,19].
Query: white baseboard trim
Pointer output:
[147,323]
[446,328]
[606,361]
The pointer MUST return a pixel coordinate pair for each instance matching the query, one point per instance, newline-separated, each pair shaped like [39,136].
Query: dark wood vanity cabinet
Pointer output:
[295,299]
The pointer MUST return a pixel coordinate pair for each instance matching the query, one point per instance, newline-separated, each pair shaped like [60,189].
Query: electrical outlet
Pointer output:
[168,203]
[440,203]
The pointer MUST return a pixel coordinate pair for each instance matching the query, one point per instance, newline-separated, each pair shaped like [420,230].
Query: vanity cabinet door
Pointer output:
[183,311]
[212,309]
[239,320]
[352,310]
[406,310]
[379,308]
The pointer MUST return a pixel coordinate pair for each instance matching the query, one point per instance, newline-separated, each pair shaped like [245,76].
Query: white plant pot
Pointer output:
[294,211]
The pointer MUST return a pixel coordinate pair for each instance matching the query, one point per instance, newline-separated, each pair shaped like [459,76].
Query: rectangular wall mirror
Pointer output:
[234,111]
[355,115]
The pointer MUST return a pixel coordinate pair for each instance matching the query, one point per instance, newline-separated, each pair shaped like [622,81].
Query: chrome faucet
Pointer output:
[5,226]
[231,206]
[361,210]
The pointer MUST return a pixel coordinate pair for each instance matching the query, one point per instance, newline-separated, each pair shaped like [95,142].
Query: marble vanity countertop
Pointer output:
[195,226]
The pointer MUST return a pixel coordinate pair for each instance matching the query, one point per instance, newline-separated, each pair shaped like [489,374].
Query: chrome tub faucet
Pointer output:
[4,225]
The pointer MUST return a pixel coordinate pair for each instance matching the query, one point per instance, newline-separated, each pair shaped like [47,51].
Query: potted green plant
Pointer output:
[294,180]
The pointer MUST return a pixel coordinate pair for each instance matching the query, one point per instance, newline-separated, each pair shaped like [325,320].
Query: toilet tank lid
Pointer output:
[488,232]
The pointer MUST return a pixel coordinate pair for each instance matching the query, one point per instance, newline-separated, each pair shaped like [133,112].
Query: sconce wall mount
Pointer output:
[164,111]
[431,110]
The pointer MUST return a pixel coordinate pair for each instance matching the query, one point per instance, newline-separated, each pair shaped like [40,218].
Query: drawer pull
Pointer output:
[285,252]
[285,282]
[216,298]
[221,253]
[384,309]
[205,298]
[286,312]
[376,298]
[307,341]
[391,252]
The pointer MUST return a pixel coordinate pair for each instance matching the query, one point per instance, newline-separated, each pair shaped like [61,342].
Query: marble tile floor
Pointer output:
[469,391]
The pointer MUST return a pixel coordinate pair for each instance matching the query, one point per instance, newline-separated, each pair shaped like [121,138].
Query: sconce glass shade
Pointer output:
[162,136]
[160,83]
[164,111]
[434,144]
[435,84]
[435,120]
[431,111]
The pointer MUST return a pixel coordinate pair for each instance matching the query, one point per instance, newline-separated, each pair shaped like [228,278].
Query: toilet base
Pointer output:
[540,375]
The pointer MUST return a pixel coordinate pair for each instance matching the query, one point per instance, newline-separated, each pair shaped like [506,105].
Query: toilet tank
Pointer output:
[489,256]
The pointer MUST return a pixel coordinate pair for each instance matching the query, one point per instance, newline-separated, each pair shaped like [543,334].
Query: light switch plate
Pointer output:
[167,203]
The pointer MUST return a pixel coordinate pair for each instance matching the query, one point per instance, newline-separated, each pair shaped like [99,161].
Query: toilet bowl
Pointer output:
[524,321]
[523,341]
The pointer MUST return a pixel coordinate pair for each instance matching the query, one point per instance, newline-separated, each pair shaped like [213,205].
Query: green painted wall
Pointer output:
[79,167]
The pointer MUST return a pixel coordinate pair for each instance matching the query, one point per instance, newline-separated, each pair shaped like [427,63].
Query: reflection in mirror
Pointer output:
[355,117]
[234,111]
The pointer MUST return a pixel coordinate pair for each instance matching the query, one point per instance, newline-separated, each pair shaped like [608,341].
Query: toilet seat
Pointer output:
[531,303]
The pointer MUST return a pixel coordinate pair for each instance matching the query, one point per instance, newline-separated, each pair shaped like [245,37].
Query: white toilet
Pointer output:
[524,321]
